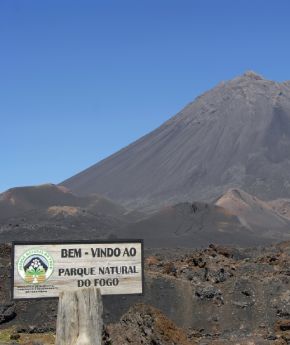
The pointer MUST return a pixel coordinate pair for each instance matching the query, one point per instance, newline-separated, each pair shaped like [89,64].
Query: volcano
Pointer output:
[236,135]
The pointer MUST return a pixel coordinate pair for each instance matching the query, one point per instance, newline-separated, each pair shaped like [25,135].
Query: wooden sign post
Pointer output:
[78,273]
[79,317]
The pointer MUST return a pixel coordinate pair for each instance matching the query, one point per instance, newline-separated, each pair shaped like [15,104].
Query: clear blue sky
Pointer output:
[81,79]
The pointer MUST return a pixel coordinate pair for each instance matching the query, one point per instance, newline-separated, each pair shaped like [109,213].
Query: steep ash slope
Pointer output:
[256,214]
[236,135]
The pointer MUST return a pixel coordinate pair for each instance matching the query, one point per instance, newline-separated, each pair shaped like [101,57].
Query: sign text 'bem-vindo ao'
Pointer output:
[41,270]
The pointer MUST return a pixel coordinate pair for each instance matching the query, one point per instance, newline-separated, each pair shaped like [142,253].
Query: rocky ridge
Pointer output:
[236,135]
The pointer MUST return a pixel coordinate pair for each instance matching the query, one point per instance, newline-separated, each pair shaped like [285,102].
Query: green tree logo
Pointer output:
[35,266]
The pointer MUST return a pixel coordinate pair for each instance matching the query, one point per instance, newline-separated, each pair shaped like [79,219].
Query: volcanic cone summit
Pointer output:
[236,135]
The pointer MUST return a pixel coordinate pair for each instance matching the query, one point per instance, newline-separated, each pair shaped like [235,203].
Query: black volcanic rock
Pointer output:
[251,301]
[236,135]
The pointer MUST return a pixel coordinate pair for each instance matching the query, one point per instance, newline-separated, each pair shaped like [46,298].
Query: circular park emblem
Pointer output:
[35,266]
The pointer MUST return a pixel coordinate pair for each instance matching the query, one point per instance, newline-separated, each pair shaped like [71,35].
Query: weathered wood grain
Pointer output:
[79,318]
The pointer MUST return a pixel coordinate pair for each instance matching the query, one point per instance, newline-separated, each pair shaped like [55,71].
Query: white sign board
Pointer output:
[41,270]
